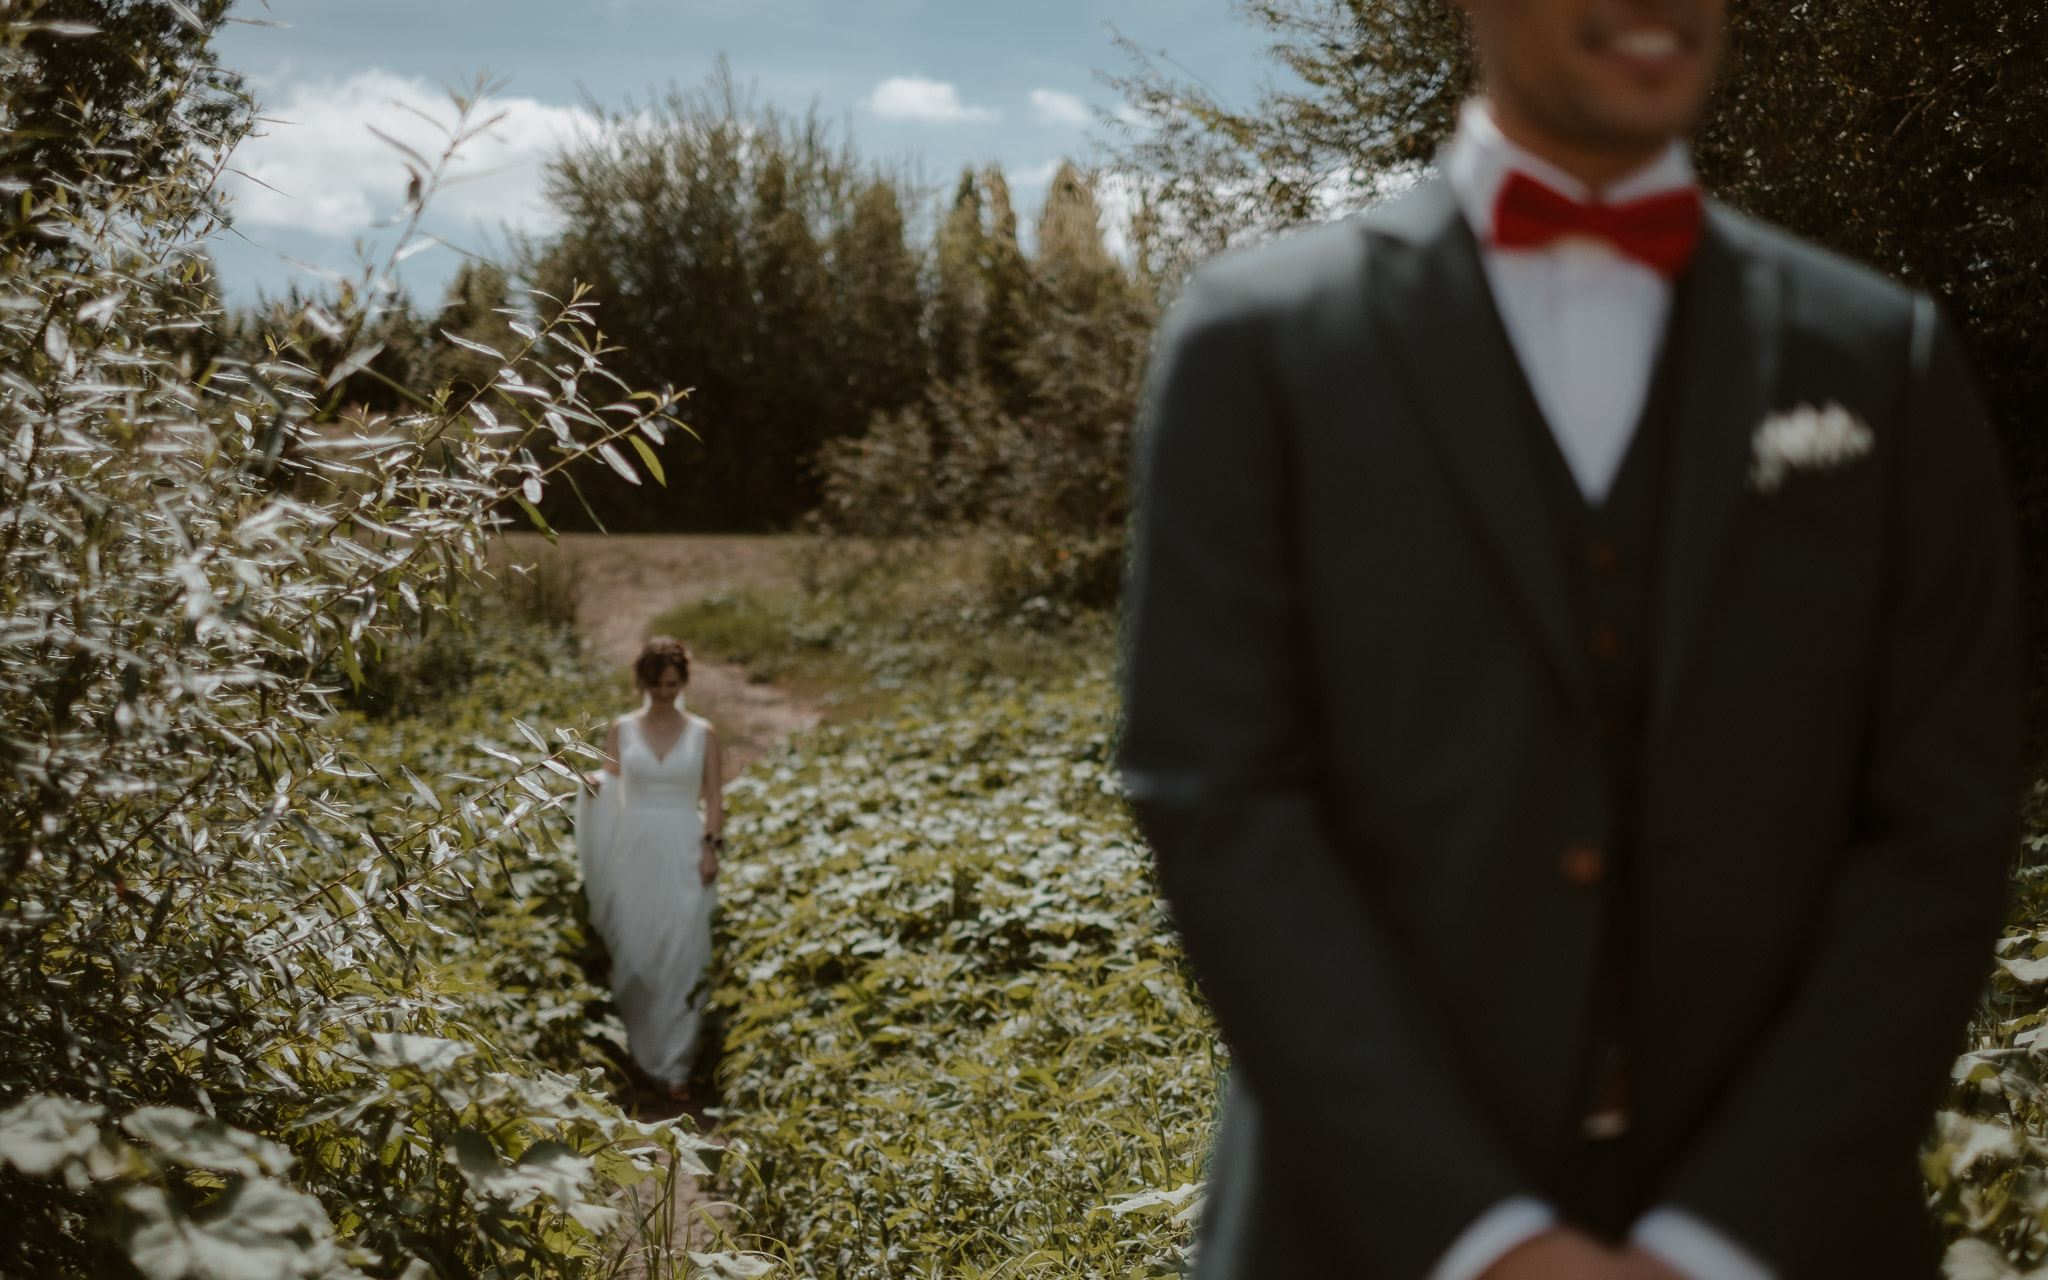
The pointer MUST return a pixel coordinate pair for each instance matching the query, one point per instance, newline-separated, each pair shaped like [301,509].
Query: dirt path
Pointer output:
[624,581]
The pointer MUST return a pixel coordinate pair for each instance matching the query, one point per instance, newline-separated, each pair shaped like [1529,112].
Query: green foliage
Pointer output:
[1372,88]
[114,88]
[1028,443]
[281,992]
[960,1037]
[456,351]
[751,258]
[397,372]
[1987,1168]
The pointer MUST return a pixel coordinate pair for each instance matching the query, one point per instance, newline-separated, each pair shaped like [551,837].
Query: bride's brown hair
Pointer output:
[657,656]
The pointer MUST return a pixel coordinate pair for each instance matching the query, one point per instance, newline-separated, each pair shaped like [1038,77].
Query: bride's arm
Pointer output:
[714,785]
[714,805]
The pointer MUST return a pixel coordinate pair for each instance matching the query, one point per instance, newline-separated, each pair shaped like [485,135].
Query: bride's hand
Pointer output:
[707,866]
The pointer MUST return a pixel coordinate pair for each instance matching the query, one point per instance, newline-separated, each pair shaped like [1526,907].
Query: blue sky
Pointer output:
[937,83]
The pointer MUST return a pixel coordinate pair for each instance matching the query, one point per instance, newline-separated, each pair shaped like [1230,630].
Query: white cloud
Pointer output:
[317,167]
[1054,107]
[1118,196]
[932,101]
[1035,175]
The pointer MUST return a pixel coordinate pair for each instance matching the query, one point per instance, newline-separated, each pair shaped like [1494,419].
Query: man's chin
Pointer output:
[1624,121]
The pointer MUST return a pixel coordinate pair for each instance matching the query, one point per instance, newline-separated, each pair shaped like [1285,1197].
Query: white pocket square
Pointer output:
[1805,439]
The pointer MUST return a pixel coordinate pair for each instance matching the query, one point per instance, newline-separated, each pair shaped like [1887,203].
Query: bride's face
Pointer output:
[664,691]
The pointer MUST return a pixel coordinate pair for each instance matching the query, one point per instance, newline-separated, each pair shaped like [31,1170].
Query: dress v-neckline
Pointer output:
[660,757]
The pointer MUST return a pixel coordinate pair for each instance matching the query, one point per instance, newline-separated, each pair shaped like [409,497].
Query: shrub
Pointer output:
[261,1011]
[960,1038]
[753,257]
[1987,1164]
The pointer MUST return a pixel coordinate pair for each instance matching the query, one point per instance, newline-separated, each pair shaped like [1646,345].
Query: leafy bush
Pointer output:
[753,257]
[280,993]
[960,1038]
[1987,1167]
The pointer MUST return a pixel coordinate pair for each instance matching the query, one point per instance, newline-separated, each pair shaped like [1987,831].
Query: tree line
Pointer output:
[753,259]
[866,358]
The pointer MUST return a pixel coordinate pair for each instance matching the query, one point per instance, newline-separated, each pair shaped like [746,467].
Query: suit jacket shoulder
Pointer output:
[1295,273]
[1850,321]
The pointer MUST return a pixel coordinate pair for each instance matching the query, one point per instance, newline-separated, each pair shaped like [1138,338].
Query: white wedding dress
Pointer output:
[640,841]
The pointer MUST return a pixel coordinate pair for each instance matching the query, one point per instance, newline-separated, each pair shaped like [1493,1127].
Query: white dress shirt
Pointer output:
[1586,324]
[1585,321]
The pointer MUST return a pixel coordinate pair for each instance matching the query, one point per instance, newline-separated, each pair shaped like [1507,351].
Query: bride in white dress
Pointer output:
[650,859]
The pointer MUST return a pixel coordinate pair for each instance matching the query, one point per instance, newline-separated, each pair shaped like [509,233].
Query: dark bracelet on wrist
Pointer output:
[716,839]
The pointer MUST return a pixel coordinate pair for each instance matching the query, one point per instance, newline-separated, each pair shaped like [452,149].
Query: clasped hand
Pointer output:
[1572,1255]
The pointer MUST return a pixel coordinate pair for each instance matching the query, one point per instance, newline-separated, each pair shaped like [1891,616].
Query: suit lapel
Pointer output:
[1732,338]
[1431,302]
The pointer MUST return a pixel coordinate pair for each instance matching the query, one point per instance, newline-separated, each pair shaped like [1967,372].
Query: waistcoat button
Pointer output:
[1582,866]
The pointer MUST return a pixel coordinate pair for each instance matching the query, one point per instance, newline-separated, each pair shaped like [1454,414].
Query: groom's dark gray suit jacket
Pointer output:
[1365,739]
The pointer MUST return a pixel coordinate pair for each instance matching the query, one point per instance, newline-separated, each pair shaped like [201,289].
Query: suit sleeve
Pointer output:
[1822,1126]
[1358,1103]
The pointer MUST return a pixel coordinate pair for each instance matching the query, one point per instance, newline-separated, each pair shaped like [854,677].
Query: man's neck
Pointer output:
[1598,165]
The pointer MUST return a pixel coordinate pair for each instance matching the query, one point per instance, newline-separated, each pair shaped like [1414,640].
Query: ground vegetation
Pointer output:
[960,1037]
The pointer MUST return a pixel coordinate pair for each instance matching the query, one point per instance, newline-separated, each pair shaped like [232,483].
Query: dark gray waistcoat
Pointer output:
[1612,559]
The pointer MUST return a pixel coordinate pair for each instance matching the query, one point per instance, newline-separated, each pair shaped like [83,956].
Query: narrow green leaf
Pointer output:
[653,463]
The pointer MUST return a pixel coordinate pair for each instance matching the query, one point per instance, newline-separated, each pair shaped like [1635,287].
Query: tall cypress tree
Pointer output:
[792,401]
[960,301]
[1006,287]
[880,307]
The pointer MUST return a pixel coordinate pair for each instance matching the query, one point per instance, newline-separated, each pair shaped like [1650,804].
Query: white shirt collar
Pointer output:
[1480,157]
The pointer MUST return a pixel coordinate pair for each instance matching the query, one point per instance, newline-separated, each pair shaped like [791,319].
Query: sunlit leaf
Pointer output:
[653,463]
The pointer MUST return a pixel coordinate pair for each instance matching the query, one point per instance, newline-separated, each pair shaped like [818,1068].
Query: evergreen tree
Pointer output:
[1006,290]
[1033,457]
[794,400]
[880,307]
[960,302]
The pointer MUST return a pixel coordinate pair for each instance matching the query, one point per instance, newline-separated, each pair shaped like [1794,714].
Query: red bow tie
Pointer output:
[1660,232]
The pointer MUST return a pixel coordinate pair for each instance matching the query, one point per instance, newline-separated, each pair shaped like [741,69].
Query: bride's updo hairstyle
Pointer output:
[657,656]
